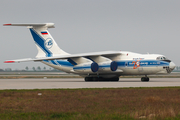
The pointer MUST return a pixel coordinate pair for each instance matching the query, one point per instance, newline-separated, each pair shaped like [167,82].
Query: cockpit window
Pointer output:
[163,58]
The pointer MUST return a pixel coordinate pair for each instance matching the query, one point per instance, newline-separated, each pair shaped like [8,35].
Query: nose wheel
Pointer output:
[145,79]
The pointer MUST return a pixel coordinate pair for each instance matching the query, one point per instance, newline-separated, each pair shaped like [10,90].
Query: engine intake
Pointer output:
[114,66]
[94,67]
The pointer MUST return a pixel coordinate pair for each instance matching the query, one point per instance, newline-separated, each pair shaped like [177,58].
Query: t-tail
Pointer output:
[46,45]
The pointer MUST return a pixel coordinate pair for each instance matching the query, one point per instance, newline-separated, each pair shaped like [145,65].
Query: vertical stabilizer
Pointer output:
[46,45]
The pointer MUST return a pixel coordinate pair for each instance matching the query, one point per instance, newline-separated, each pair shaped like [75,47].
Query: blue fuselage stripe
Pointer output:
[143,63]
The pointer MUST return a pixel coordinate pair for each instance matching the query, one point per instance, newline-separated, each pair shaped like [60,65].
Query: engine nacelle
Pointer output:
[86,68]
[109,66]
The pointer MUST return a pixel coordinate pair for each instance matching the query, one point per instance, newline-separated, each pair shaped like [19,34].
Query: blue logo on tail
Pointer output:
[48,43]
[45,45]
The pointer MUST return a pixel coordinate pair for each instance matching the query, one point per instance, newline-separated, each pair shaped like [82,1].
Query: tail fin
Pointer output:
[45,43]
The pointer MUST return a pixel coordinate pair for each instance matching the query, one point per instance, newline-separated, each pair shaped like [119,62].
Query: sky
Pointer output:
[82,26]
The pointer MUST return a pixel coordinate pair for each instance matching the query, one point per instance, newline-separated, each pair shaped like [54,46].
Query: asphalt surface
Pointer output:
[80,83]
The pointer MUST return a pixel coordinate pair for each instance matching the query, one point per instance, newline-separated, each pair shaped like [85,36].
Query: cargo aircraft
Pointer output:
[95,66]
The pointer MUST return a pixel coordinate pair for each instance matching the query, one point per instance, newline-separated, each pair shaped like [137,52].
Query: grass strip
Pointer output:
[69,104]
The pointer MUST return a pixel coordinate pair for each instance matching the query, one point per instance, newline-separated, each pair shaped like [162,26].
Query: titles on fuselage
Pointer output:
[138,58]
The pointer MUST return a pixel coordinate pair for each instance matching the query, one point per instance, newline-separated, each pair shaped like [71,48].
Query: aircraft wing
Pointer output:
[108,54]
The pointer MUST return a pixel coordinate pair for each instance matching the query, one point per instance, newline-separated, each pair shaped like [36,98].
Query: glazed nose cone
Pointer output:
[172,65]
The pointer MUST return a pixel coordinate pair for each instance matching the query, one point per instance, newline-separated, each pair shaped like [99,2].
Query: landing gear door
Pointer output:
[140,69]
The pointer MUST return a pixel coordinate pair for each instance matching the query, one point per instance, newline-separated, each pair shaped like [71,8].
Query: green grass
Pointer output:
[93,104]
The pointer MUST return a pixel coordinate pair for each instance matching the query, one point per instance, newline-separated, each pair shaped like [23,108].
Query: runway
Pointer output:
[80,83]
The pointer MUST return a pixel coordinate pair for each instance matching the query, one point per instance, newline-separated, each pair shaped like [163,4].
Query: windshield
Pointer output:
[163,58]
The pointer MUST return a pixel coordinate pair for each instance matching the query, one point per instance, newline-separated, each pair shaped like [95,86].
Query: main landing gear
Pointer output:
[145,79]
[87,79]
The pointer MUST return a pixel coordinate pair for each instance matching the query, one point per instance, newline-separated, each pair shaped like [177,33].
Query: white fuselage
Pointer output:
[128,64]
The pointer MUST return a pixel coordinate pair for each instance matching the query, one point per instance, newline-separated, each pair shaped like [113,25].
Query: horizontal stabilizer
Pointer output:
[20,60]
[49,25]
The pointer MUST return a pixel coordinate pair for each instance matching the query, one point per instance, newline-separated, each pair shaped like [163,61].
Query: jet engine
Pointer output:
[110,66]
[86,68]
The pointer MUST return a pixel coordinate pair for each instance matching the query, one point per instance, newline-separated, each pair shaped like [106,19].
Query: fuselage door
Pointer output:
[140,69]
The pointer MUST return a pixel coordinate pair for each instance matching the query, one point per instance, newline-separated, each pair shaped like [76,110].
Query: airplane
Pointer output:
[95,66]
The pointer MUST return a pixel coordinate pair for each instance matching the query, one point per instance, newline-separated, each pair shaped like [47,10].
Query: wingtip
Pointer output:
[6,24]
[9,61]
